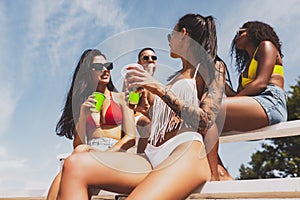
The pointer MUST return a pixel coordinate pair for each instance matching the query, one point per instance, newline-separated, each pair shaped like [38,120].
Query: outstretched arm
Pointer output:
[200,118]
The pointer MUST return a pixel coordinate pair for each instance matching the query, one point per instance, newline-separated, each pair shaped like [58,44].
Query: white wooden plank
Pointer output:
[290,128]
[257,188]
[275,188]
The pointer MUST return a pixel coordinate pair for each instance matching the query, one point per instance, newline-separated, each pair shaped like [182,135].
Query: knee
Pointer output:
[203,175]
[72,165]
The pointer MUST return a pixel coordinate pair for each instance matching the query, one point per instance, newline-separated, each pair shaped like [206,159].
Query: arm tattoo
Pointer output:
[203,116]
[171,100]
[197,117]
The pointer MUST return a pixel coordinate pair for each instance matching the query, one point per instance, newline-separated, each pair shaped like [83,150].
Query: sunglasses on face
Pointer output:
[241,31]
[148,57]
[100,66]
[169,37]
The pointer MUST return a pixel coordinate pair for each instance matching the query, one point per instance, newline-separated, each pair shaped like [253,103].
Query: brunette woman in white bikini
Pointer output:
[175,163]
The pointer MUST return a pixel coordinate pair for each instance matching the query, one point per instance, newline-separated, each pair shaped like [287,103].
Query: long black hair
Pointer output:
[202,30]
[81,87]
[256,32]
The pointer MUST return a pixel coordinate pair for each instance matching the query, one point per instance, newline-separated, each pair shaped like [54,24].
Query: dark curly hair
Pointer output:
[81,87]
[256,32]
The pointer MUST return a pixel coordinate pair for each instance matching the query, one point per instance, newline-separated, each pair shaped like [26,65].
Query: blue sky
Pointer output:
[41,43]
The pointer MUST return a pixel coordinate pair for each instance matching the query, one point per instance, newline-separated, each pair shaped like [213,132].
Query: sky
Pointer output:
[41,44]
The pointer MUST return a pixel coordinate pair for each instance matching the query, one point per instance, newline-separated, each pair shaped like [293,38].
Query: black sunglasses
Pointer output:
[169,37]
[100,66]
[148,57]
[241,31]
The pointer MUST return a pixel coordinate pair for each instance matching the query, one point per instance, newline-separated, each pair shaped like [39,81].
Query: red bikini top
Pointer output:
[113,116]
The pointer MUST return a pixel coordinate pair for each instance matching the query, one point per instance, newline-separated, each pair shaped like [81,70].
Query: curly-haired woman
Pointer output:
[260,100]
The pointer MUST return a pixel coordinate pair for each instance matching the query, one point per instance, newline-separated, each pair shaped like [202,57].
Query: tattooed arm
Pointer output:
[202,117]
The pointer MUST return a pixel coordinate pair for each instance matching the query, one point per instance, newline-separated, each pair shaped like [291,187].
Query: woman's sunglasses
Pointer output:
[241,31]
[169,37]
[100,66]
[148,57]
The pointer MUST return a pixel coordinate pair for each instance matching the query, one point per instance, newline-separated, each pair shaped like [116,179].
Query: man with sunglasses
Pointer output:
[148,59]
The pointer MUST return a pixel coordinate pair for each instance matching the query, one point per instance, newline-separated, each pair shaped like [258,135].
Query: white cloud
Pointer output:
[58,29]
[2,152]
[9,99]
[7,105]
[106,14]
[14,163]
[11,169]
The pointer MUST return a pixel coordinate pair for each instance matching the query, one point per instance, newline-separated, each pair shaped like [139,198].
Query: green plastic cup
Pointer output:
[99,97]
[135,93]
[134,97]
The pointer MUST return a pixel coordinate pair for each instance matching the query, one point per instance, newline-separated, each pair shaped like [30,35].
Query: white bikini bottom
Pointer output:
[156,155]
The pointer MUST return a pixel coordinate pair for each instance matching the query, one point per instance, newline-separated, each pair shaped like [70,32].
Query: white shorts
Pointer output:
[157,155]
[102,143]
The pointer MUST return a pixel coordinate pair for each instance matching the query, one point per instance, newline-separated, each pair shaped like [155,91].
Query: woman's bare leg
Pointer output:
[179,175]
[211,141]
[113,171]
[52,193]
[244,114]
[54,188]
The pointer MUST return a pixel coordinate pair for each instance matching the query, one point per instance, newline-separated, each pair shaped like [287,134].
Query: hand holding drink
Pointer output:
[134,93]
[134,96]
[99,97]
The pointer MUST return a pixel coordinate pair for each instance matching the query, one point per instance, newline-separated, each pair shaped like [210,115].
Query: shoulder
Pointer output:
[266,49]
[266,46]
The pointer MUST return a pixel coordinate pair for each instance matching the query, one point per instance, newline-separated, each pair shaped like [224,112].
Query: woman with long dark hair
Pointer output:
[111,129]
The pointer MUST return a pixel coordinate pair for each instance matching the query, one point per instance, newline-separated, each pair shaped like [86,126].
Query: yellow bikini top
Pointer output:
[278,69]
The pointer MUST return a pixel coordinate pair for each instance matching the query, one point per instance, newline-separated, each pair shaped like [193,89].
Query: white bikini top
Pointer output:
[164,118]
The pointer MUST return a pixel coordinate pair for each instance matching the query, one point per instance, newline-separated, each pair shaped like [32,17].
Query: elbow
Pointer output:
[261,86]
[130,142]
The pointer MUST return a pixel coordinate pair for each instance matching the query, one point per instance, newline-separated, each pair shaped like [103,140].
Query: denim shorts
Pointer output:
[102,143]
[273,101]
